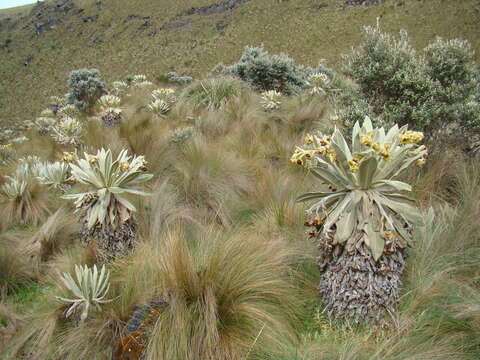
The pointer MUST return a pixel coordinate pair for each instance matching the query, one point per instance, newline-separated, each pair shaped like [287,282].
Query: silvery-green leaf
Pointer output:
[374,241]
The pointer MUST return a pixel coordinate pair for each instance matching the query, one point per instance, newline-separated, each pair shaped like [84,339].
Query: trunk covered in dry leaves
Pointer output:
[110,242]
[354,286]
[110,119]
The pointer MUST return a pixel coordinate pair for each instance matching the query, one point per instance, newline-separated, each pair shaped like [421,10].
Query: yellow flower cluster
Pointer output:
[302,157]
[124,166]
[69,157]
[388,235]
[411,137]
[6,146]
[382,150]
[92,159]
[143,163]
[355,163]
[420,162]
[317,146]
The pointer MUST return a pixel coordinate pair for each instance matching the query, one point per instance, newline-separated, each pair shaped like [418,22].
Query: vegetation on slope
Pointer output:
[192,37]
[216,262]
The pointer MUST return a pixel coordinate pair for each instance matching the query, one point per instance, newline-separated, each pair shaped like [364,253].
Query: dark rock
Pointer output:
[175,24]
[216,8]
[131,17]
[361,3]
[319,6]
[47,15]
[145,24]
[27,61]
[222,24]
[90,19]
[94,40]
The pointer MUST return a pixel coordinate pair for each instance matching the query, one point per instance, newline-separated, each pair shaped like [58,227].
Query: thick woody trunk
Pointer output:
[110,243]
[355,287]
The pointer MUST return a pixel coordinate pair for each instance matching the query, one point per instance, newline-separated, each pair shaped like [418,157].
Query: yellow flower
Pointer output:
[385,152]
[124,166]
[69,157]
[353,166]
[354,163]
[326,140]
[366,139]
[322,150]
[92,159]
[421,162]
[411,137]
[376,146]
[388,235]
[309,139]
[331,155]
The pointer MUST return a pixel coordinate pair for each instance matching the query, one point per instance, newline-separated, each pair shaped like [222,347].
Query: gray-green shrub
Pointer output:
[174,78]
[266,72]
[85,88]
[428,92]
[451,64]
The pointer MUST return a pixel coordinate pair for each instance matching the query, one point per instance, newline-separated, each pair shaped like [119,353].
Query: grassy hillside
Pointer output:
[222,240]
[123,37]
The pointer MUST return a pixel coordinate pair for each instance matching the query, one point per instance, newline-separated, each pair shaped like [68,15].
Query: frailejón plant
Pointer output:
[89,289]
[364,223]
[106,212]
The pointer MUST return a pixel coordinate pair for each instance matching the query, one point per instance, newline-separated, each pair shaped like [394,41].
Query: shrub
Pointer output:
[266,72]
[393,80]
[85,88]
[181,135]
[450,63]
[428,93]
[174,78]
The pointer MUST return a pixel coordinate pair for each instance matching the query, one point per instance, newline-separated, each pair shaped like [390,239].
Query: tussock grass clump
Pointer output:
[227,294]
[56,233]
[213,93]
[15,268]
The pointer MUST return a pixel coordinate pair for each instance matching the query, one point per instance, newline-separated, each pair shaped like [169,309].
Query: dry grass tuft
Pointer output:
[226,294]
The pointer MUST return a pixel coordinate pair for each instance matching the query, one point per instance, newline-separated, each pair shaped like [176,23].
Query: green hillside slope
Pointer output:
[39,47]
